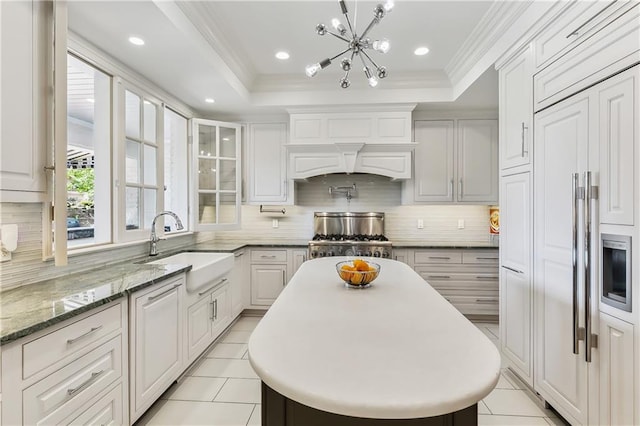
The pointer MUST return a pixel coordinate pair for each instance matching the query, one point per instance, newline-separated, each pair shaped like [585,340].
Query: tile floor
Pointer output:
[223,390]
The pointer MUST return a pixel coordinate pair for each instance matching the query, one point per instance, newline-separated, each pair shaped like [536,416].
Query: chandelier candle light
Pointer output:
[357,45]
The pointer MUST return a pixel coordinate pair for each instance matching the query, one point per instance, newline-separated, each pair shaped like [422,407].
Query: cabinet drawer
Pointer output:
[571,27]
[53,398]
[469,286]
[268,256]
[51,348]
[475,305]
[108,410]
[437,256]
[483,257]
[611,49]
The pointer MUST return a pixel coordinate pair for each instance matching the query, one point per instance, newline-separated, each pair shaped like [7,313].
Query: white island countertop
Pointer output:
[395,350]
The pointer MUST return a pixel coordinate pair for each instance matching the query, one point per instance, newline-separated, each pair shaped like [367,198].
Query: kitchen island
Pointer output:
[392,354]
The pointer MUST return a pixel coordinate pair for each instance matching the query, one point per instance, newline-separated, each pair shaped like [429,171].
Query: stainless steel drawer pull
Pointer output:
[271,256]
[93,378]
[487,301]
[93,330]
[517,271]
[215,285]
[213,313]
[440,257]
[152,298]
[439,277]
[484,277]
[486,258]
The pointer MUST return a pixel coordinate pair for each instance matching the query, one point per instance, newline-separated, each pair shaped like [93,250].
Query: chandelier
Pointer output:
[357,45]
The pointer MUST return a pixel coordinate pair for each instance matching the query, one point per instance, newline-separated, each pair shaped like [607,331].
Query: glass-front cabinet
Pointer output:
[217,178]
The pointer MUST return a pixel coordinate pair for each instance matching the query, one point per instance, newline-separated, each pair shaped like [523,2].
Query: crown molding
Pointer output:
[500,16]
[353,108]
[193,19]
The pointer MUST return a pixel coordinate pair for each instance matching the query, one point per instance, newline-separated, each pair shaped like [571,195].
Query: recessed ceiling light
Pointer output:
[282,55]
[136,40]
[209,100]
[225,139]
[421,51]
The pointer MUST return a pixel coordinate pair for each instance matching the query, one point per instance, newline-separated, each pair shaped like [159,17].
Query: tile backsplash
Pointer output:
[374,193]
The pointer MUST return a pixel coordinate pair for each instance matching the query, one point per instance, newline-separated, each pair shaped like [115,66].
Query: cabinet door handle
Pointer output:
[576,195]
[577,30]
[460,189]
[215,285]
[157,296]
[590,194]
[93,378]
[440,257]
[517,271]
[213,313]
[451,188]
[439,277]
[215,309]
[487,301]
[284,279]
[523,152]
[93,330]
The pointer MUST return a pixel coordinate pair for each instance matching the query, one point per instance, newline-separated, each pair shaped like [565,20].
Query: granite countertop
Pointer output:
[399,244]
[359,362]
[30,308]
[27,309]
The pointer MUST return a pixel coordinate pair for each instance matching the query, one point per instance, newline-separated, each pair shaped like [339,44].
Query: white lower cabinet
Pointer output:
[298,257]
[155,323]
[87,384]
[617,394]
[267,281]
[516,284]
[208,314]
[468,279]
[239,277]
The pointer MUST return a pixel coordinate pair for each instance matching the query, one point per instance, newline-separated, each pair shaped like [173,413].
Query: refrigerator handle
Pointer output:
[591,193]
[575,196]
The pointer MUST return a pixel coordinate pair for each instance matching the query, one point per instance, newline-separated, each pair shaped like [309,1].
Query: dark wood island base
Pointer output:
[278,410]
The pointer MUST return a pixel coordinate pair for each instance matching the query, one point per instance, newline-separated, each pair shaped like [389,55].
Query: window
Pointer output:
[118,180]
[88,154]
[176,174]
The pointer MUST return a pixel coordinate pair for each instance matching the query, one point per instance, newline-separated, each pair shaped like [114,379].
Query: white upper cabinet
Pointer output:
[216,175]
[434,161]
[618,108]
[477,161]
[455,161]
[516,110]
[23,112]
[267,164]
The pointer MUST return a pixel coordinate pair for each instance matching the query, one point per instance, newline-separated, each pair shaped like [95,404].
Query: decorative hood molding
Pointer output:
[387,159]
[353,140]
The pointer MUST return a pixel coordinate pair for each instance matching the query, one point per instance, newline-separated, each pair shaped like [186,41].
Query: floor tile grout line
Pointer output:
[251,415]
[220,390]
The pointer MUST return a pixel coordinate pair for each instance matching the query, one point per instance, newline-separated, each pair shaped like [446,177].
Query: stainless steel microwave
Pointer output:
[616,271]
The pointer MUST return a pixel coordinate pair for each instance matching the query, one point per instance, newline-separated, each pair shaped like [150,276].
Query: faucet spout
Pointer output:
[153,239]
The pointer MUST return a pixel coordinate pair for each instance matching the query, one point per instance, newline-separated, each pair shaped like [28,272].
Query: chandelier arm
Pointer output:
[369,58]
[364,64]
[353,34]
[339,36]
[341,53]
[374,21]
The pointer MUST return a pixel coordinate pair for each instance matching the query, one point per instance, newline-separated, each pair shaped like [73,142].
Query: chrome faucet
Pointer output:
[153,240]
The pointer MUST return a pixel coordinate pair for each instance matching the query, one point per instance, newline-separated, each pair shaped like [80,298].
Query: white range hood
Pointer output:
[350,140]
